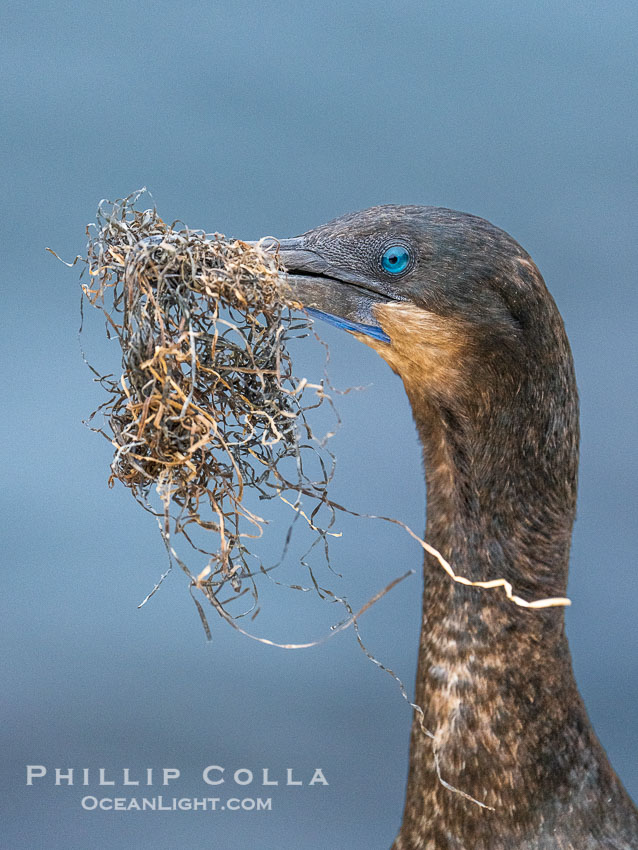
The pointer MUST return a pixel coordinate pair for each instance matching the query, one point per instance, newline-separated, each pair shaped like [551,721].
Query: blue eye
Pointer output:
[395,259]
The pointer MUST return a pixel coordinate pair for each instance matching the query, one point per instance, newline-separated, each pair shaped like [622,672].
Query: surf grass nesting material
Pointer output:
[207,409]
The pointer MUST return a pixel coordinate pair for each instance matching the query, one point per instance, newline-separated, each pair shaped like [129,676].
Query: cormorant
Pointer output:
[461,313]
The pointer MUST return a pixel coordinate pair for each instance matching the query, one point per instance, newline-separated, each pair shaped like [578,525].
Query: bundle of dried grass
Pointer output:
[207,405]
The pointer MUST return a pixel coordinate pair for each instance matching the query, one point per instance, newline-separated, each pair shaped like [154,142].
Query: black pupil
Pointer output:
[392,258]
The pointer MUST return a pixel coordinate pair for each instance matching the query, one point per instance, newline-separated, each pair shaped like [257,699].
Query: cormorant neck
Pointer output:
[496,408]
[501,481]
[495,680]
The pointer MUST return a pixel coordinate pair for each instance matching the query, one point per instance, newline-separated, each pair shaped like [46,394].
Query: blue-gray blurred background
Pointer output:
[257,118]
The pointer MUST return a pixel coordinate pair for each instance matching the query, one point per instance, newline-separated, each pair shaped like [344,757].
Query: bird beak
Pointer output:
[326,292]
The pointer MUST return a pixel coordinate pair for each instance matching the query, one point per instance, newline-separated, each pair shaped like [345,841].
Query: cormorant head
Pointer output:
[461,313]
[440,295]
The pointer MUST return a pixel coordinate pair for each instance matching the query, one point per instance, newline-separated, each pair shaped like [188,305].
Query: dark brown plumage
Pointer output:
[472,331]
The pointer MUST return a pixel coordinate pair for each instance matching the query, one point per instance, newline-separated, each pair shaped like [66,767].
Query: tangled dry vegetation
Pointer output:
[207,408]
